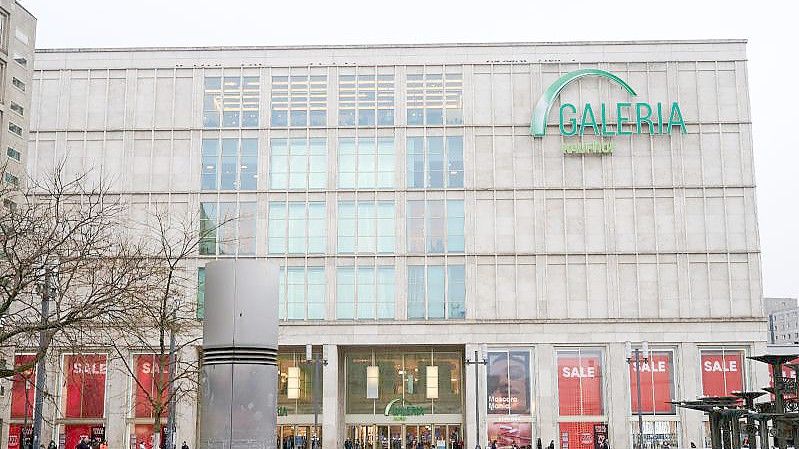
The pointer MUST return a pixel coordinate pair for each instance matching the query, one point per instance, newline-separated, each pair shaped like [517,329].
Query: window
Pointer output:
[435,226]
[3,29]
[364,293]
[22,36]
[13,154]
[436,292]
[657,384]
[299,100]
[580,382]
[200,310]
[365,227]
[298,164]
[231,102]
[15,129]
[21,60]
[296,227]
[18,83]
[366,100]
[435,99]
[238,160]
[227,228]
[722,371]
[11,179]
[435,162]
[366,163]
[508,382]
[17,108]
[302,293]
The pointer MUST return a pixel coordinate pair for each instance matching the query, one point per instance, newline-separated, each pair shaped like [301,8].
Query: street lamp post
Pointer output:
[636,357]
[318,362]
[477,362]
[49,290]
[23,435]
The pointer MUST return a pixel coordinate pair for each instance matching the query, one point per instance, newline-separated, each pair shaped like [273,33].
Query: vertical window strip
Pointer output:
[435,226]
[366,163]
[229,164]
[298,164]
[227,228]
[296,227]
[434,162]
[365,293]
[436,292]
[299,100]
[434,98]
[231,101]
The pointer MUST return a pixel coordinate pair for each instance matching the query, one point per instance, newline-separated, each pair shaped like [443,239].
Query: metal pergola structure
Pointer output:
[737,421]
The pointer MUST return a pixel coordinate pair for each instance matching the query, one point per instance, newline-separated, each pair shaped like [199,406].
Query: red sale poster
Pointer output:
[144,434]
[151,377]
[722,372]
[580,382]
[85,385]
[15,434]
[23,388]
[74,433]
[657,384]
[577,435]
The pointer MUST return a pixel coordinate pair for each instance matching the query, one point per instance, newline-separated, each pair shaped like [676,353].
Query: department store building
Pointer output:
[530,205]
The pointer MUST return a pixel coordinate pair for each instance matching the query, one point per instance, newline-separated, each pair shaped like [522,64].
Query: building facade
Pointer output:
[783,320]
[420,227]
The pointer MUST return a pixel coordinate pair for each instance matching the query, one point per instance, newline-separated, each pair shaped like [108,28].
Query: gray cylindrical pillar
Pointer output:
[239,372]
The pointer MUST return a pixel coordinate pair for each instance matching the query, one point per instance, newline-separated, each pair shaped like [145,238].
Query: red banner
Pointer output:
[580,383]
[151,377]
[85,385]
[722,372]
[15,435]
[657,384]
[23,388]
[577,435]
[76,432]
[144,436]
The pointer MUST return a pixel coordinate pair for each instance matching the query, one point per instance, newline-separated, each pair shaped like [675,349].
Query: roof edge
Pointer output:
[399,45]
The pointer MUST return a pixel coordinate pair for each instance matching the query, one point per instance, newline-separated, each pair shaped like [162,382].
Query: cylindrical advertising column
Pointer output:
[239,372]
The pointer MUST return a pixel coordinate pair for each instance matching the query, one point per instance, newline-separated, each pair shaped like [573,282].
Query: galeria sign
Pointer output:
[630,117]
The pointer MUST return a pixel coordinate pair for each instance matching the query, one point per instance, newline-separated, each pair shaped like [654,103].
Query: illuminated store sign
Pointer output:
[592,119]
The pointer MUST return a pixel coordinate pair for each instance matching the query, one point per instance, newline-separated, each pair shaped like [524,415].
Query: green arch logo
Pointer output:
[538,125]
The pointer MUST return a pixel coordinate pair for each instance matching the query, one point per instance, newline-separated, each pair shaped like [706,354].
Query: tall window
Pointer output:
[435,226]
[296,227]
[13,154]
[435,98]
[436,292]
[200,309]
[299,100]
[227,228]
[435,162]
[364,293]
[302,293]
[229,164]
[298,164]
[365,227]
[657,384]
[366,100]
[231,101]
[366,163]
[722,371]
[15,129]
[580,395]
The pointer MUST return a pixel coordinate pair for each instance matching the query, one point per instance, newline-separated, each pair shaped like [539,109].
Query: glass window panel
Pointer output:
[456,292]
[299,117]
[246,228]
[435,162]
[434,116]
[455,225]
[435,229]
[415,161]
[385,117]
[210,154]
[416,292]
[455,161]
[366,298]
[385,292]
[415,116]
[316,228]
[208,231]
[345,293]
[249,164]
[318,118]
[366,117]
[229,164]
[316,293]
[435,292]
[279,118]
[415,225]
[276,230]
[210,119]
[346,117]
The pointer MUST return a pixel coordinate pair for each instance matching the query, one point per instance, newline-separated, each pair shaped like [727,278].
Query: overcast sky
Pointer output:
[770,27]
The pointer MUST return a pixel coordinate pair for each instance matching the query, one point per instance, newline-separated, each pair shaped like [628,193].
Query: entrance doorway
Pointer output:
[291,436]
[405,436]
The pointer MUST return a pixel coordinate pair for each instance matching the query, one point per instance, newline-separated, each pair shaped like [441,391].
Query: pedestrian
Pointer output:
[551,444]
[538,443]
[52,445]
[142,445]
[693,445]
[84,444]
[494,444]
[514,446]
[185,446]
[104,445]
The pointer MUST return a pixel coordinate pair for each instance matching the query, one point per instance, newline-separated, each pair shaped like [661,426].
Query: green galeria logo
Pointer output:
[631,118]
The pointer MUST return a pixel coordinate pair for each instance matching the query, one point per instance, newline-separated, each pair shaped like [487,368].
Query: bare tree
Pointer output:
[75,229]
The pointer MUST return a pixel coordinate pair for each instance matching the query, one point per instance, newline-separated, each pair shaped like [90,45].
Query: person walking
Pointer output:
[184,446]
[551,444]
[52,445]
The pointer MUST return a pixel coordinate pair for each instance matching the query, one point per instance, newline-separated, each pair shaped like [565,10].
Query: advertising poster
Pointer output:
[151,378]
[508,382]
[85,386]
[23,388]
[580,383]
[657,384]
[509,433]
[601,436]
[144,434]
[76,432]
[722,372]
[15,435]
[577,435]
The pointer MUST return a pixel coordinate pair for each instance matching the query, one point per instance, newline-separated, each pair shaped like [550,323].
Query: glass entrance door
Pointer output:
[405,436]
